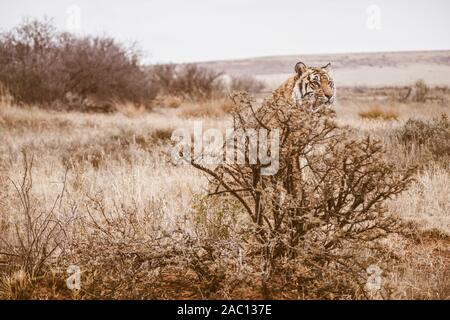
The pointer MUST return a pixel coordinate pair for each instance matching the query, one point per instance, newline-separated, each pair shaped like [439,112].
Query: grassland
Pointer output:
[99,191]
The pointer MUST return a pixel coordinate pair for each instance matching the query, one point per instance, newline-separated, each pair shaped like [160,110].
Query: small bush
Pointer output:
[189,81]
[421,90]
[433,135]
[376,113]
[246,83]
[324,217]
[417,93]
[31,238]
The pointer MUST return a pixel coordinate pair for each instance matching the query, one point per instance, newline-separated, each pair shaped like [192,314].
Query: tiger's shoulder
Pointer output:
[287,89]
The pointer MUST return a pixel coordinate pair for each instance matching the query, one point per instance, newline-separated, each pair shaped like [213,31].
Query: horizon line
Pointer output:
[305,54]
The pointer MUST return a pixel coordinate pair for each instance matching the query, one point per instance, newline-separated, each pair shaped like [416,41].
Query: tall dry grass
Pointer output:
[374,112]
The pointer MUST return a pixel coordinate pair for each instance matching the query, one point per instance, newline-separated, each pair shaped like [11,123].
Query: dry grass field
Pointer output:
[99,191]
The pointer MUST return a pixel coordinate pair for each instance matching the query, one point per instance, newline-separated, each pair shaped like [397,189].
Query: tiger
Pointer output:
[312,87]
[313,84]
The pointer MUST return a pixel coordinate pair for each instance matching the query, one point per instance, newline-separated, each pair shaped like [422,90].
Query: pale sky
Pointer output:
[199,30]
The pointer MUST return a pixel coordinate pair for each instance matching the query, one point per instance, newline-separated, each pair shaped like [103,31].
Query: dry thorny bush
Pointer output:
[321,216]
[31,238]
[189,81]
[430,138]
[418,92]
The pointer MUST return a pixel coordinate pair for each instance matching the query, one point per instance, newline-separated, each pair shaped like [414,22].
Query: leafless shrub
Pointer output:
[246,83]
[326,211]
[122,251]
[31,239]
[419,92]
[42,66]
[432,135]
[189,81]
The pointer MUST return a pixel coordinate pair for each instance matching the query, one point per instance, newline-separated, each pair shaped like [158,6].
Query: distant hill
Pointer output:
[370,69]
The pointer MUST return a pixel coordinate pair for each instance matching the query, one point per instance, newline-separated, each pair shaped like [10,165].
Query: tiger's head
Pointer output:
[314,85]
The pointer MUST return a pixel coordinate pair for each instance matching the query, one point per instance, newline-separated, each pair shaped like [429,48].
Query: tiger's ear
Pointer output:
[300,67]
[327,67]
